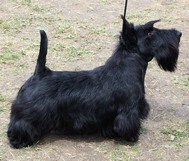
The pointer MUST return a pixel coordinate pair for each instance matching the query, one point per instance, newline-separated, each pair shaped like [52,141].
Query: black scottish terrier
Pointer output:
[109,99]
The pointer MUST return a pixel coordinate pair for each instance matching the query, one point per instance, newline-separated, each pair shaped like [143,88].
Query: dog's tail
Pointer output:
[41,61]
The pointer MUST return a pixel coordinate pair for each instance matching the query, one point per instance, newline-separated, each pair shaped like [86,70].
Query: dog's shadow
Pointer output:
[52,138]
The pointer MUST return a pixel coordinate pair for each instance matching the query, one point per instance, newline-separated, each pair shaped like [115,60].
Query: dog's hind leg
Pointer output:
[144,108]
[127,125]
[108,131]
[21,133]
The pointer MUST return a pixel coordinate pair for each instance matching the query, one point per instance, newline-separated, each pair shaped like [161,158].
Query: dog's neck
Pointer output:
[126,61]
[122,56]
[146,57]
[131,48]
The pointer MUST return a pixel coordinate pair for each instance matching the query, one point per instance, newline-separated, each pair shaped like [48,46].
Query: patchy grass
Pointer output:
[3,108]
[2,98]
[57,47]
[187,159]
[138,16]
[126,153]
[173,131]
[14,24]
[105,2]
[182,81]
[3,104]
[5,25]
[71,53]
[38,8]
[66,30]
[10,55]
[3,133]
[98,31]
[119,150]
[75,53]
[65,27]
[23,2]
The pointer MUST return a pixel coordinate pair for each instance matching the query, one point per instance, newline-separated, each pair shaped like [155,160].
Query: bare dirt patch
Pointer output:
[82,35]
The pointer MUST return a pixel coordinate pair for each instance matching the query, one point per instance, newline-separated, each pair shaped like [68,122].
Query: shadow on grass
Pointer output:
[92,138]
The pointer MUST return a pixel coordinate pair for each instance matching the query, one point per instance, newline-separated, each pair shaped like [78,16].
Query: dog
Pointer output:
[108,100]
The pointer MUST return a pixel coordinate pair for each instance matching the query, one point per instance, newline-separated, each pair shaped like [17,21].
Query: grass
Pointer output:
[138,17]
[75,53]
[34,7]
[179,132]
[3,105]
[9,55]
[14,24]
[3,133]
[3,108]
[187,159]
[182,81]
[67,29]
[98,31]
[66,26]
[105,2]
[38,8]
[2,98]
[57,47]
[119,150]
[147,14]
[71,53]
[5,25]
[1,153]
[175,132]
[23,2]
[126,153]
[69,33]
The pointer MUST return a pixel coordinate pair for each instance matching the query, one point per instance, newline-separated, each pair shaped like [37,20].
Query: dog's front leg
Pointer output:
[127,125]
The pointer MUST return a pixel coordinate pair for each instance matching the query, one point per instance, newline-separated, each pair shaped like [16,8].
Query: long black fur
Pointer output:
[109,99]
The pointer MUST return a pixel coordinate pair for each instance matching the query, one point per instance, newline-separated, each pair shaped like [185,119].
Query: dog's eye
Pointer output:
[150,34]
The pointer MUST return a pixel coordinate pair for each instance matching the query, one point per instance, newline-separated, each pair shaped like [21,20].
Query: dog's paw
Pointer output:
[21,134]
[132,138]
[127,127]
[18,142]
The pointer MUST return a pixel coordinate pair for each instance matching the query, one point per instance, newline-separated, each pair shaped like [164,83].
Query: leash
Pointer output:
[124,15]
[125,9]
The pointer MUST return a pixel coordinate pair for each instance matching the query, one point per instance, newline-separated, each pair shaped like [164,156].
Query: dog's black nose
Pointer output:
[179,33]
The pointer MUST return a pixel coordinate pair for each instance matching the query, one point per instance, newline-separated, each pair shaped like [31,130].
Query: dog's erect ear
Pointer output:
[127,27]
[150,24]
[128,37]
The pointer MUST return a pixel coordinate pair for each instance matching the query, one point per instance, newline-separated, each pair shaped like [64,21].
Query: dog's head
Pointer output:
[153,42]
